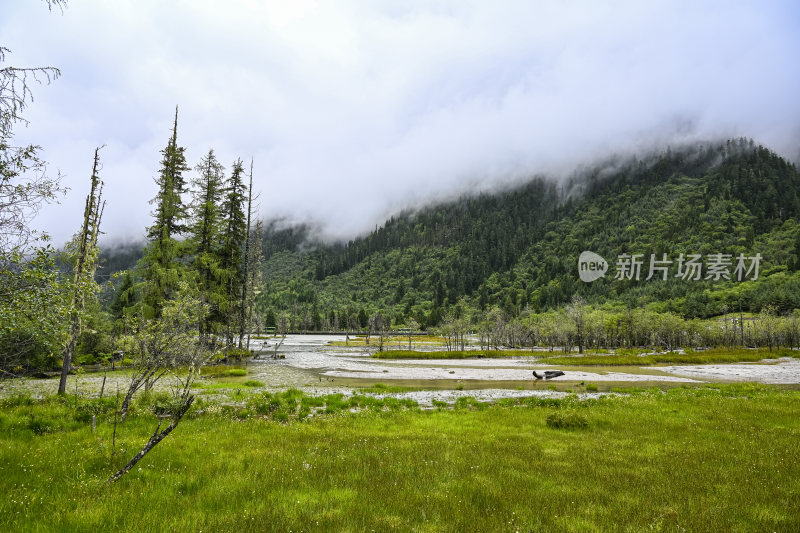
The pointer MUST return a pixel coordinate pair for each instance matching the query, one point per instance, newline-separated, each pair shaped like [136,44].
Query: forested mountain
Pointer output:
[519,248]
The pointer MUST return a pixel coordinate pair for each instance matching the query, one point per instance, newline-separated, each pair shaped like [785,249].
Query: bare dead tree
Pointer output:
[282,330]
[24,185]
[157,436]
[245,310]
[255,257]
[379,324]
[412,326]
[84,285]
[15,89]
[61,4]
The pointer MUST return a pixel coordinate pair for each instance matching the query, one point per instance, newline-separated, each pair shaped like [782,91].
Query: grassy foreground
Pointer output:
[722,458]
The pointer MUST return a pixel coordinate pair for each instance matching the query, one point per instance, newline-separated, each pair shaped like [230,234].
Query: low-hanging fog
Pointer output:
[352,110]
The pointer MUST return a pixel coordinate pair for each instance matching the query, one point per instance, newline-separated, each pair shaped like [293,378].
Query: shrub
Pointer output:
[253,383]
[334,403]
[591,387]
[263,404]
[85,359]
[312,401]
[408,403]
[237,354]
[234,372]
[392,403]
[293,394]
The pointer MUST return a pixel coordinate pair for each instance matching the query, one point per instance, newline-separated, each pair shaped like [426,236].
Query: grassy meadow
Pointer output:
[717,458]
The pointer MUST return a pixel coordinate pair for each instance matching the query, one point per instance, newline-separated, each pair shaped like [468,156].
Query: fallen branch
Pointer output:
[155,438]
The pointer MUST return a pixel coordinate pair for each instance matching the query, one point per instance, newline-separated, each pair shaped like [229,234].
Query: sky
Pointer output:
[353,110]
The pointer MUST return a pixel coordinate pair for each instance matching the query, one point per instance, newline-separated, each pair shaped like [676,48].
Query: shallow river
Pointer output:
[311,363]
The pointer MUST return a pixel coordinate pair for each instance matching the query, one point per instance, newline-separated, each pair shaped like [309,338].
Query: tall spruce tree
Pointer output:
[161,269]
[232,249]
[205,234]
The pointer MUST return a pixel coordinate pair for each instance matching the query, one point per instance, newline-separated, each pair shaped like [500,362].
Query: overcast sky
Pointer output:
[353,110]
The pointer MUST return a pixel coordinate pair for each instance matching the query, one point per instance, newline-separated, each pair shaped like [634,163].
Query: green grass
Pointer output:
[223,370]
[716,355]
[455,354]
[383,388]
[566,419]
[719,458]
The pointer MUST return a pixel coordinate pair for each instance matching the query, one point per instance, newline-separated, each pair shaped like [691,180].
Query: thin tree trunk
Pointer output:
[155,438]
[89,230]
[126,402]
[245,277]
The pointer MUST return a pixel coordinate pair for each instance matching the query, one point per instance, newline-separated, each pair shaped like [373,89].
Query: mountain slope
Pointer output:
[519,248]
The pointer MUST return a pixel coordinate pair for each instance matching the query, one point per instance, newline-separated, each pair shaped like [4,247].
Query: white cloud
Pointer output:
[354,109]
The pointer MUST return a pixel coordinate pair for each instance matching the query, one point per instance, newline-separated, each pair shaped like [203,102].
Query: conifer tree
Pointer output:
[124,296]
[205,238]
[232,249]
[161,269]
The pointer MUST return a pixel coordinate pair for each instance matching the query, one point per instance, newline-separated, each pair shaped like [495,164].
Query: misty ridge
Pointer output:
[307,236]
[365,116]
